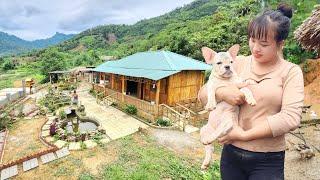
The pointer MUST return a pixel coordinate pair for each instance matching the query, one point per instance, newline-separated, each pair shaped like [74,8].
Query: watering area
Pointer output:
[75,124]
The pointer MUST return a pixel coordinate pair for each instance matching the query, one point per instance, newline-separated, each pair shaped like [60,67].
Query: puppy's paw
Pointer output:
[210,107]
[250,100]
[205,165]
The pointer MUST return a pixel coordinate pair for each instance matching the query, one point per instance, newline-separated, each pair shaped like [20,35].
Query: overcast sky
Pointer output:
[37,19]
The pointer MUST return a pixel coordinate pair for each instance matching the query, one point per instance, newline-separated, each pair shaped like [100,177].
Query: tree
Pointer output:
[8,65]
[51,60]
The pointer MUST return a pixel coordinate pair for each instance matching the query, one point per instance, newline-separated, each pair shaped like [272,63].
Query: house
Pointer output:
[153,78]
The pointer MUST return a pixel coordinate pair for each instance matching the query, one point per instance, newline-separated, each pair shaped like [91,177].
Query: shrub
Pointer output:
[62,114]
[163,122]
[130,109]
[5,121]
[8,65]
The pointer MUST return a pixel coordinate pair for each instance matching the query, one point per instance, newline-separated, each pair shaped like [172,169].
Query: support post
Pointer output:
[122,88]
[158,92]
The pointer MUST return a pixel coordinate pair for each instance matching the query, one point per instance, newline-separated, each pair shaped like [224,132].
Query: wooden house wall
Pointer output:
[117,83]
[184,85]
[177,87]
[163,91]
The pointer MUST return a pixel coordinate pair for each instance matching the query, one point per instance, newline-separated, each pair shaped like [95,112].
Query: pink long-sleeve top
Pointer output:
[279,94]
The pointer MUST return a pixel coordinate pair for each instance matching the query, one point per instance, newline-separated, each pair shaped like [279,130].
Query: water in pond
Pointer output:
[75,125]
[80,126]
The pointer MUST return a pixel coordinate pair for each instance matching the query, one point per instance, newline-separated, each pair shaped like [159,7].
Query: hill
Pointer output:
[10,44]
[213,23]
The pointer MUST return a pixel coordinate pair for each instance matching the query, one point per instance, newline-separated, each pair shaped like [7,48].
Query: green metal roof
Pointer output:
[153,65]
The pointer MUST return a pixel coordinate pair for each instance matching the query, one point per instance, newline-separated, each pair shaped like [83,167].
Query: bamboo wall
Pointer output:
[177,87]
[184,85]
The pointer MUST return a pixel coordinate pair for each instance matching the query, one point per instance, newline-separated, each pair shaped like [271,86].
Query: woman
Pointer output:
[255,149]
[74,98]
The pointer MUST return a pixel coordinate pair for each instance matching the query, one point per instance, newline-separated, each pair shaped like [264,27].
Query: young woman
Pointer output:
[74,97]
[255,149]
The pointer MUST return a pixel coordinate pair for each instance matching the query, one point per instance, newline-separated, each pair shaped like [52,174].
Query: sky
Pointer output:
[39,19]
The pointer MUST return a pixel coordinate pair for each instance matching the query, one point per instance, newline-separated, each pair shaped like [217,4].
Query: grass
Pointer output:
[7,78]
[135,157]
[153,162]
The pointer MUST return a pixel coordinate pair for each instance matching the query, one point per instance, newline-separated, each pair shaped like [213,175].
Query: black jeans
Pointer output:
[240,164]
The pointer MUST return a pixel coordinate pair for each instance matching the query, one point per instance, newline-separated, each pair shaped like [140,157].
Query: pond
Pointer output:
[75,124]
[79,126]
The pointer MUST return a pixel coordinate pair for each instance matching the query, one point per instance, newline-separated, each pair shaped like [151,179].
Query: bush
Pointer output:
[113,104]
[62,114]
[130,109]
[163,122]
[8,65]
[5,121]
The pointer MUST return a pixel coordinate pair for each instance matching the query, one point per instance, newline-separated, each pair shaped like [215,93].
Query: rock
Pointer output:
[74,146]
[60,143]
[90,144]
[101,130]
[29,108]
[105,140]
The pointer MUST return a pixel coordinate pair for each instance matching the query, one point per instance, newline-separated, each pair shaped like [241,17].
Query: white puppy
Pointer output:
[222,115]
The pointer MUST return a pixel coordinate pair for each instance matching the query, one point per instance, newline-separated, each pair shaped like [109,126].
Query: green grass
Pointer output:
[7,78]
[154,162]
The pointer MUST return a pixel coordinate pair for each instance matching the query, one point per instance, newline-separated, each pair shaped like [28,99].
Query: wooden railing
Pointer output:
[122,100]
[174,116]
[192,116]
[140,104]
[192,104]
[108,100]
[185,112]
[195,110]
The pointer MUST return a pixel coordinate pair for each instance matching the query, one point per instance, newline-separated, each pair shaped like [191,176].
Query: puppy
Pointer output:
[222,116]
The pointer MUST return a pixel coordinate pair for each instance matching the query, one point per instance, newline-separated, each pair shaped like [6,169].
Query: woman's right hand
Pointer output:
[231,94]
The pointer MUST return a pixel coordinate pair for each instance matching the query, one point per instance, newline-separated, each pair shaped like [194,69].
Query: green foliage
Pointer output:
[5,121]
[113,104]
[131,109]
[62,114]
[92,92]
[83,145]
[153,162]
[163,122]
[212,23]
[86,176]
[97,137]
[52,60]
[8,65]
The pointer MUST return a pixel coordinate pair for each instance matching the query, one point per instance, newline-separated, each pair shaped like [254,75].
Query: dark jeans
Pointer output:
[240,164]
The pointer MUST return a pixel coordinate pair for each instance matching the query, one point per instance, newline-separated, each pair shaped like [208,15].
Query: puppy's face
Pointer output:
[221,62]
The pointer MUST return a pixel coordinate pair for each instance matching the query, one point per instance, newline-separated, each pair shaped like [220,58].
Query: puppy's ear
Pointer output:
[234,50]
[208,54]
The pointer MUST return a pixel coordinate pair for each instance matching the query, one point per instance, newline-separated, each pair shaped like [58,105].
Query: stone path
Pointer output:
[3,136]
[9,172]
[116,123]
[33,163]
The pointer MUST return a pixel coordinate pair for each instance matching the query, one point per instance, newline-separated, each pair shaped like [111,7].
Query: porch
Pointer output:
[186,112]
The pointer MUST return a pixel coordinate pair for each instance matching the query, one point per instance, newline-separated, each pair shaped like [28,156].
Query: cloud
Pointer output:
[42,18]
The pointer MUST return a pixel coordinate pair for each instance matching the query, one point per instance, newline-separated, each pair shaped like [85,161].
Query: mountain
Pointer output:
[103,36]
[213,23]
[10,44]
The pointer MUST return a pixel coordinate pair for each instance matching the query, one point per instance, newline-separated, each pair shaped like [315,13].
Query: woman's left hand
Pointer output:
[237,133]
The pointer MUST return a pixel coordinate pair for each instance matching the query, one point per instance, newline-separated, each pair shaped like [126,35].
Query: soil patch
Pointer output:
[23,139]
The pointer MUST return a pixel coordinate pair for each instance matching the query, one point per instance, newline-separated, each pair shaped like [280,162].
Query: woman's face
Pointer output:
[264,50]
